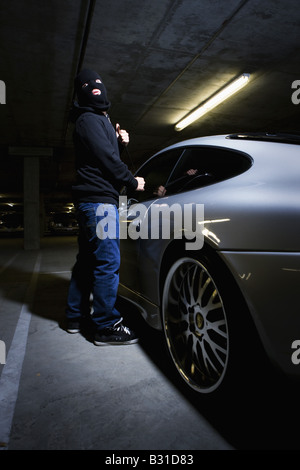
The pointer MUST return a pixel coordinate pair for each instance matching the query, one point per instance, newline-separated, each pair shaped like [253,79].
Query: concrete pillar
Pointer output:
[31,203]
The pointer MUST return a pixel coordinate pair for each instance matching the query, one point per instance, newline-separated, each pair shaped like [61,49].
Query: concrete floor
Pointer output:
[60,392]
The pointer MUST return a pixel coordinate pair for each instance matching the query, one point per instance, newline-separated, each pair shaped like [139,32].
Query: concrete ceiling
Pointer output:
[158,60]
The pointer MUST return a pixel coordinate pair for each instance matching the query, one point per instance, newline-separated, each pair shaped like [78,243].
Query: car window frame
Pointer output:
[182,150]
[139,196]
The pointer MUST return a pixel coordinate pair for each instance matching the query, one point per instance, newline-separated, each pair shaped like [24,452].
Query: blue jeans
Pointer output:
[97,265]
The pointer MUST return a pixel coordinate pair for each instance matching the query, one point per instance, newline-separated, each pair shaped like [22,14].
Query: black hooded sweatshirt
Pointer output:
[100,171]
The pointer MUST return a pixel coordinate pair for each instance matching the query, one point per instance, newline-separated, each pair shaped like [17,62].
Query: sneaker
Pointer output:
[118,334]
[73,326]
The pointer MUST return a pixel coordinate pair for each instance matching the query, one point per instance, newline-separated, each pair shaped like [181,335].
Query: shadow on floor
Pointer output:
[260,413]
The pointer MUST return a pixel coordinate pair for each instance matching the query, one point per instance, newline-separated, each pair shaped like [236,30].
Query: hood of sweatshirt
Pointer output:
[78,110]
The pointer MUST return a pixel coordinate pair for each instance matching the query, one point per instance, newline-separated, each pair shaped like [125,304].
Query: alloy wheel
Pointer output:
[195,325]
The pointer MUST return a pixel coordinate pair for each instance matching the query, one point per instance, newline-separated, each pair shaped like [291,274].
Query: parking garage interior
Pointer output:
[158,60]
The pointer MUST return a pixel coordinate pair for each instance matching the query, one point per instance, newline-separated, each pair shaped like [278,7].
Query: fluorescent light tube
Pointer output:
[218,98]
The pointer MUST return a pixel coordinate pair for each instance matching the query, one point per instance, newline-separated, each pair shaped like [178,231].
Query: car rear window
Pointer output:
[185,168]
[201,166]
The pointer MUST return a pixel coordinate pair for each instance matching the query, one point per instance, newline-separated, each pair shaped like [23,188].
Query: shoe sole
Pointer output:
[72,331]
[115,343]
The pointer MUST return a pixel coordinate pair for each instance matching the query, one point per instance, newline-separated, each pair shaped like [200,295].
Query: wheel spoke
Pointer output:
[208,362]
[217,327]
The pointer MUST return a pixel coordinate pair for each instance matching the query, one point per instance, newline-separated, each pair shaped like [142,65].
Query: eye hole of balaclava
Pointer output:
[91,91]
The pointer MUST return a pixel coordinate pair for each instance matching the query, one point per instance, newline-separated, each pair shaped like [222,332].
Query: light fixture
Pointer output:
[216,99]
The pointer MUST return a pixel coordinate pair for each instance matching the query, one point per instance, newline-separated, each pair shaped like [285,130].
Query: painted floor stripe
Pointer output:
[11,373]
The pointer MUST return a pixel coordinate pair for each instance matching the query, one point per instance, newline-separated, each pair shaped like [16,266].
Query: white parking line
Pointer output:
[11,373]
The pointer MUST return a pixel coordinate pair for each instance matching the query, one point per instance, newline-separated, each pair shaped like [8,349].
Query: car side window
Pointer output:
[156,172]
[202,166]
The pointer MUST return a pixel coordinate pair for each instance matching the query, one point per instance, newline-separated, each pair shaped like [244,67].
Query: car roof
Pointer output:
[245,142]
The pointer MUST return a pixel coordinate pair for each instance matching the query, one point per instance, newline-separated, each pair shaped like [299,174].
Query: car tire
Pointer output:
[200,310]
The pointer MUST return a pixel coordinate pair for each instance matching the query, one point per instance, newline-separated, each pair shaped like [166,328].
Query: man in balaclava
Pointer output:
[100,176]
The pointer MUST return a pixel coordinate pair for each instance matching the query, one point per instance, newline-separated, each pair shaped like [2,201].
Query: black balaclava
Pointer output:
[85,95]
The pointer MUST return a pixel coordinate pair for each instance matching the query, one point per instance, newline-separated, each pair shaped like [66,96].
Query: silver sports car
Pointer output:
[210,252]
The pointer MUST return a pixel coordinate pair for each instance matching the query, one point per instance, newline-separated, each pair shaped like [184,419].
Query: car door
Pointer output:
[134,209]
